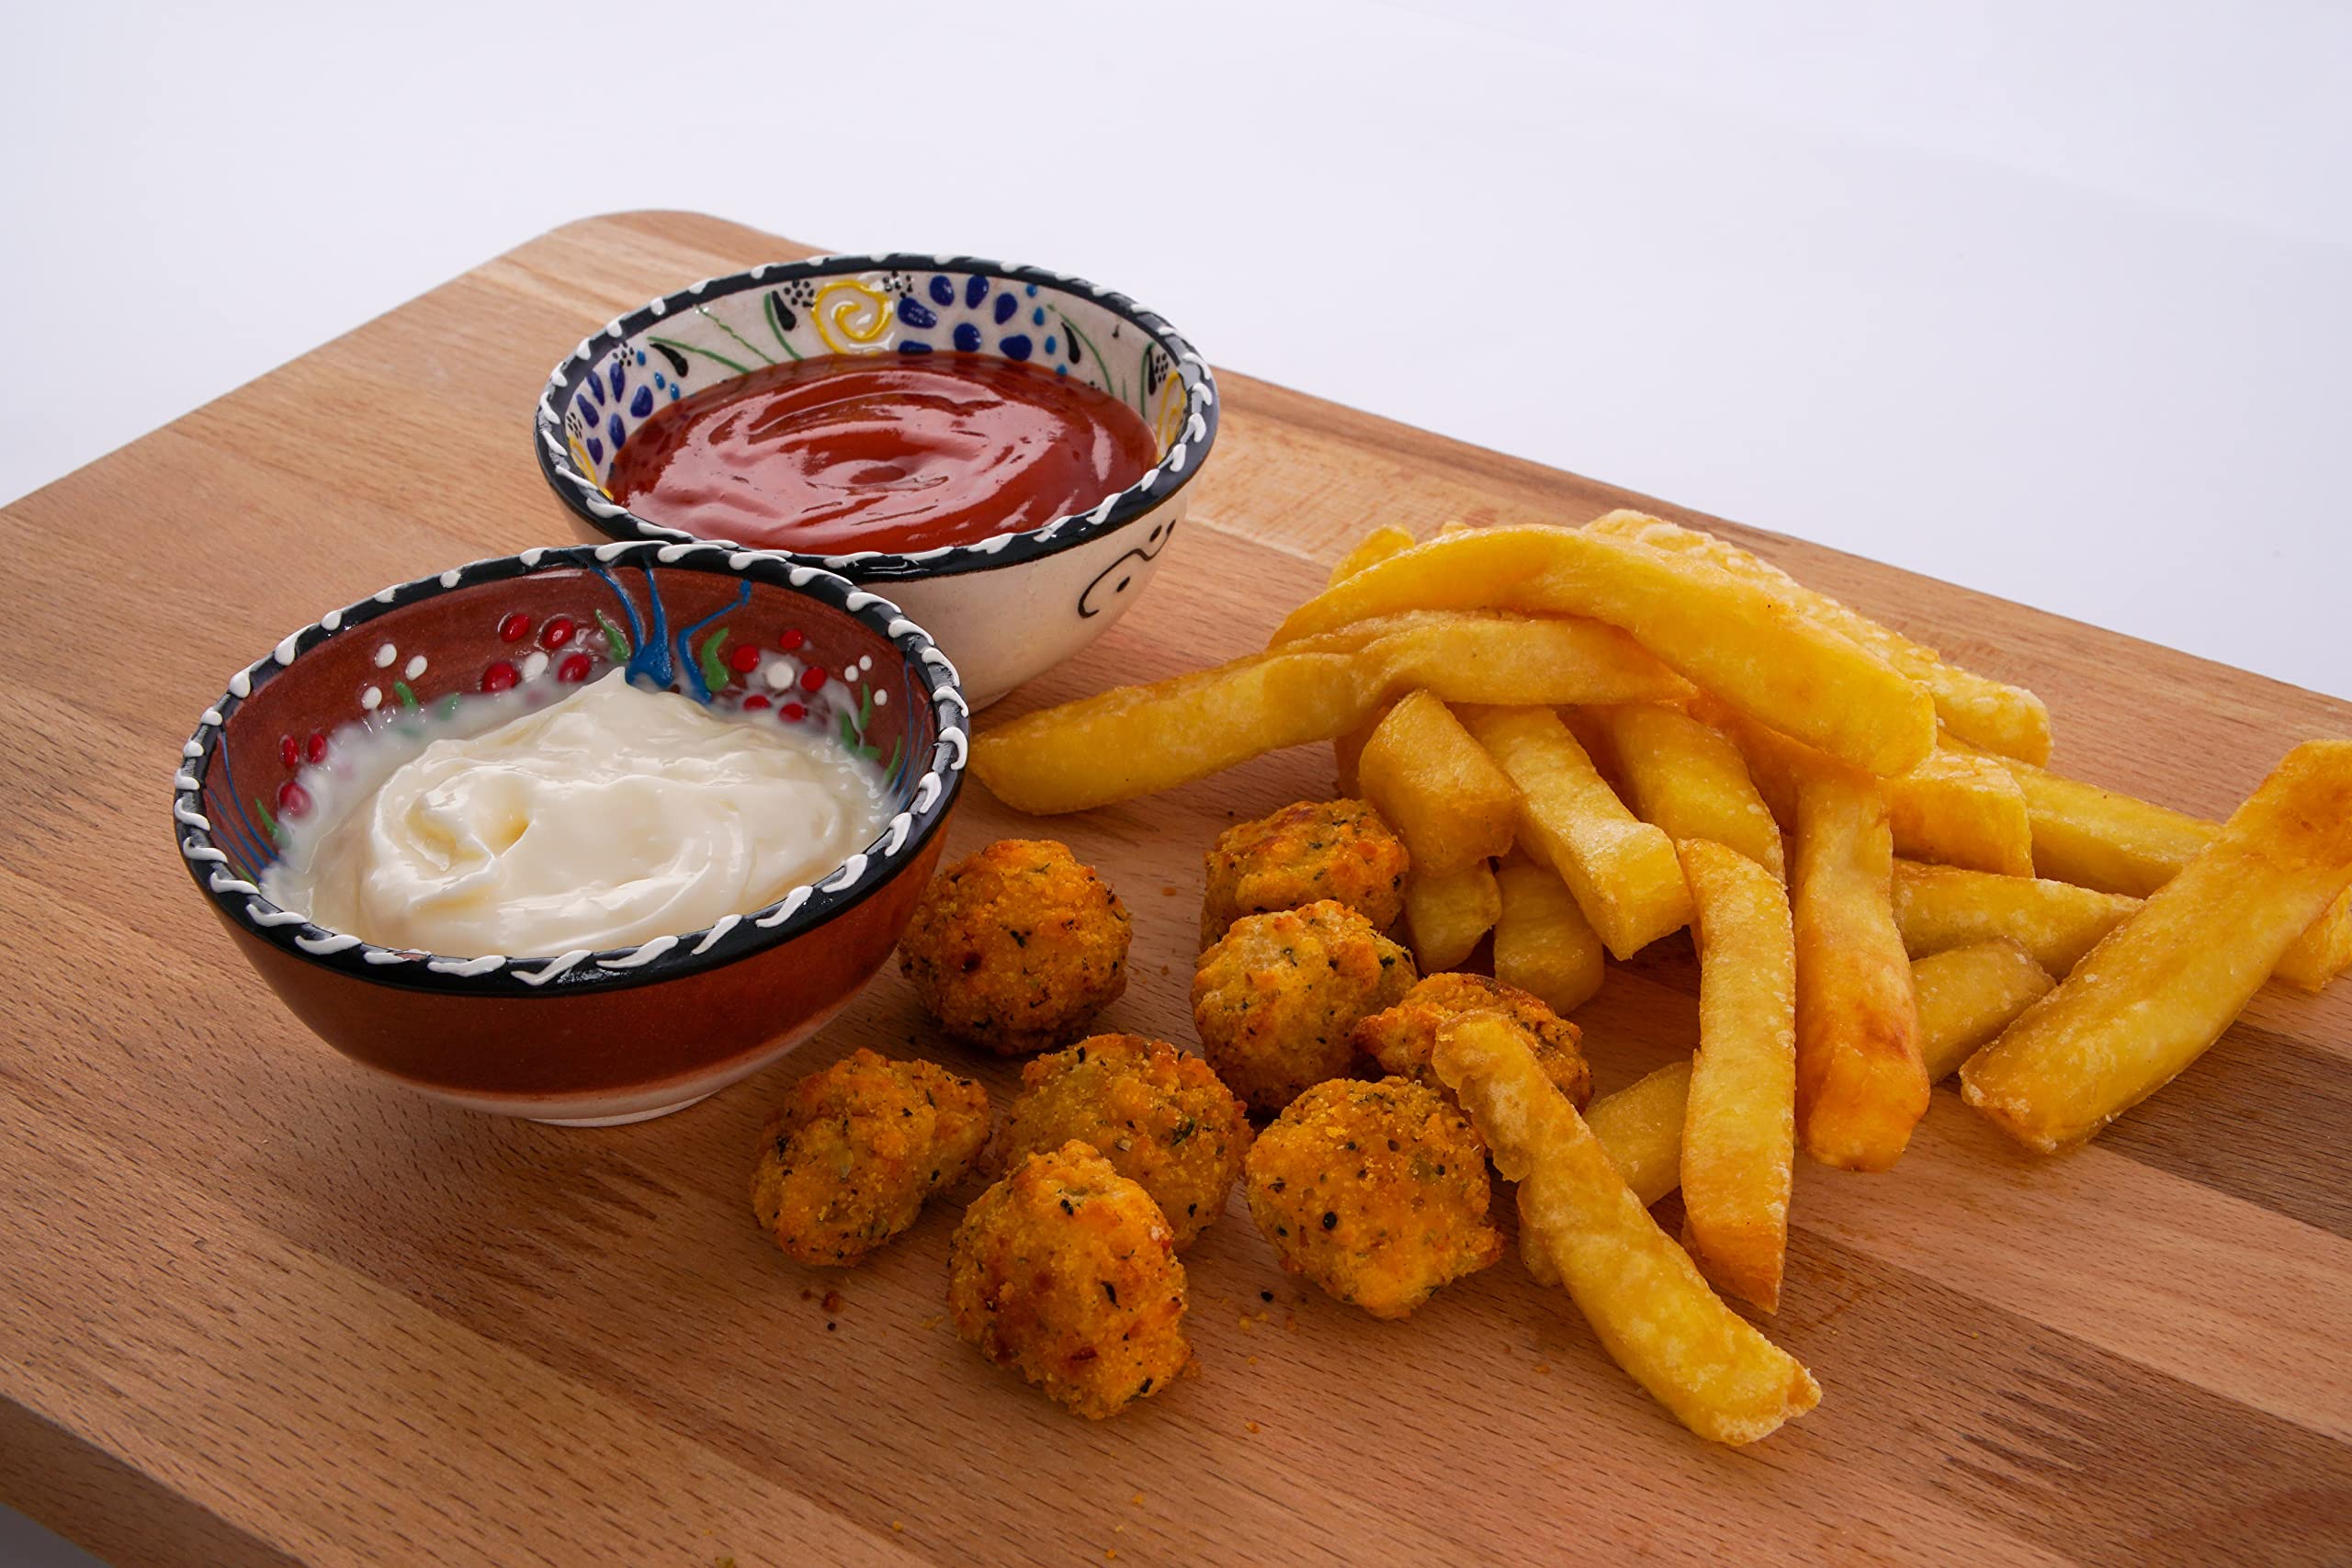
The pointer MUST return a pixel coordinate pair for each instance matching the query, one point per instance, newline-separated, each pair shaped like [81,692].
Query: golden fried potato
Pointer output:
[1445,914]
[1640,1128]
[1542,942]
[1958,809]
[1015,947]
[1313,850]
[1065,1273]
[1400,1038]
[2105,840]
[2008,719]
[1622,870]
[1161,1118]
[1133,741]
[1861,1085]
[1968,995]
[1451,804]
[1689,779]
[1376,1191]
[1276,996]
[1644,1298]
[1739,1131]
[1727,633]
[2163,985]
[1376,546]
[1941,907]
[846,1163]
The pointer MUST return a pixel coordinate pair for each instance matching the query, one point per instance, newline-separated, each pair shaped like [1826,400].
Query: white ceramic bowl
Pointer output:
[1004,608]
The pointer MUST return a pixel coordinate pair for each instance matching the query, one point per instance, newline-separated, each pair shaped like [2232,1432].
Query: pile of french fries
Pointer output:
[1590,739]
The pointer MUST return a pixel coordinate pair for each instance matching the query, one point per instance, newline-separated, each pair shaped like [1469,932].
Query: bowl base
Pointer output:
[621,1120]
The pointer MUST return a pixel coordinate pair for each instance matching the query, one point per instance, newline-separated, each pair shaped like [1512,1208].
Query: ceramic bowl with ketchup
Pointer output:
[1003,451]
[581,1038]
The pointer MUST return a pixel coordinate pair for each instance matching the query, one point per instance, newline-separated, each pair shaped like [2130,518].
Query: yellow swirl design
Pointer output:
[853,316]
[1168,423]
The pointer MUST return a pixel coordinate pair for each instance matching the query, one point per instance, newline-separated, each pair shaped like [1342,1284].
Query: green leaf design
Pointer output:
[616,639]
[777,326]
[407,697]
[739,369]
[269,822]
[898,750]
[714,673]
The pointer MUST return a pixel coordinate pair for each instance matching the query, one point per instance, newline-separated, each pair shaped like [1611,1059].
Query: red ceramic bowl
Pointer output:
[581,1038]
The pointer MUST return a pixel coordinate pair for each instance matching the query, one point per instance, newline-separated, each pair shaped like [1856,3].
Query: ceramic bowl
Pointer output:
[1006,607]
[581,1037]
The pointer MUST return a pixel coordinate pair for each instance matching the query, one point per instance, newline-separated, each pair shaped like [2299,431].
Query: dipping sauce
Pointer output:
[864,452]
[525,827]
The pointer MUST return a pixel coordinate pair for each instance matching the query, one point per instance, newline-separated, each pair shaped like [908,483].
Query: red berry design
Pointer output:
[575,669]
[515,627]
[791,640]
[813,679]
[744,659]
[500,676]
[556,631]
[792,713]
[315,749]
[289,753]
[293,800]
[754,702]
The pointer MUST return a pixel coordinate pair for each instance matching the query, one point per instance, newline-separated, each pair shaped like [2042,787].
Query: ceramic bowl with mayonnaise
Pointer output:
[1004,450]
[582,834]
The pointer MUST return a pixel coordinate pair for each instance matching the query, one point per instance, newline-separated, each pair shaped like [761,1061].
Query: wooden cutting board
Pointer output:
[255,1306]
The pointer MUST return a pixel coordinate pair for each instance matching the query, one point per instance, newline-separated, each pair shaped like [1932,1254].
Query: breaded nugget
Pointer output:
[846,1163]
[1402,1038]
[1376,1192]
[1015,947]
[1275,998]
[1161,1118]
[1066,1272]
[1315,850]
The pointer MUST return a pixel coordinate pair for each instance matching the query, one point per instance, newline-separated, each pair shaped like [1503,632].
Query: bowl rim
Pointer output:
[667,957]
[1176,468]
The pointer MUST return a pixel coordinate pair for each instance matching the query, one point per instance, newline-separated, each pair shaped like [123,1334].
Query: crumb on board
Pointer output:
[1168,893]
[1544,1369]
[1136,1499]
[806,1294]
[1250,1427]
[1253,1360]
[833,1302]
[928,1324]
[896,1527]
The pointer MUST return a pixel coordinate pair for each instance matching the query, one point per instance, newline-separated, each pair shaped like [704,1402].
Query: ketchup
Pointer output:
[866,453]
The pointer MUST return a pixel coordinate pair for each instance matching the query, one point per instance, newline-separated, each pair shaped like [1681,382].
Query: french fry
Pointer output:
[2164,985]
[1861,1086]
[1438,787]
[1739,1131]
[1542,942]
[1727,633]
[1377,546]
[1961,809]
[1641,1128]
[1621,871]
[1687,778]
[1134,740]
[1644,1298]
[2008,719]
[1347,750]
[1941,907]
[1968,995]
[2107,839]
[1447,913]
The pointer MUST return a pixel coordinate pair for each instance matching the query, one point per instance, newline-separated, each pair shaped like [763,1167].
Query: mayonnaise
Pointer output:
[606,819]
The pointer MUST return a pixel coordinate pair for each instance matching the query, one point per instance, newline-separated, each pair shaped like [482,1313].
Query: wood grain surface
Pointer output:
[261,1308]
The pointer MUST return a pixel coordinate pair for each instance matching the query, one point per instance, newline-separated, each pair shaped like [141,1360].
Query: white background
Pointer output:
[2051,298]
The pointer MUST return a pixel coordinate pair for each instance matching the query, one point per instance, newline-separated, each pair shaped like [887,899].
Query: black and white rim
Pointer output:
[663,957]
[1175,469]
